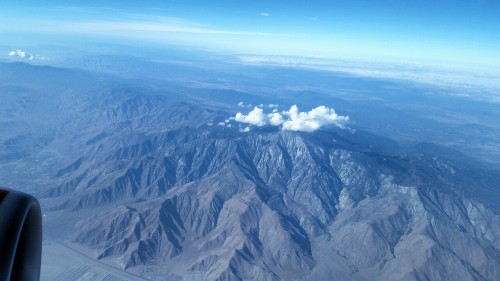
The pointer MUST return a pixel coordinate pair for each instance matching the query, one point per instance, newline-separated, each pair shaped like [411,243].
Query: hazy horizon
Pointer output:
[442,31]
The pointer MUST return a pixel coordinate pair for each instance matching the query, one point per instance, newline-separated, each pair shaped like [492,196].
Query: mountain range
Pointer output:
[140,176]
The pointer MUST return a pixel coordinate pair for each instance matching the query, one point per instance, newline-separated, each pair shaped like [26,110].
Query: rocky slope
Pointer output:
[278,205]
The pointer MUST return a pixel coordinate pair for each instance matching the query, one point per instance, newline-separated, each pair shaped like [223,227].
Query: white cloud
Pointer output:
[275,119]
[242,104]
[312,120]
[264,14]
[255,117]
[247,129]
[293,119]
[145,26]
[485,82]
[21,54]
[271,105]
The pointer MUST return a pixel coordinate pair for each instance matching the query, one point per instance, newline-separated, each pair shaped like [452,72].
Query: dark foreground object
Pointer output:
[20,236]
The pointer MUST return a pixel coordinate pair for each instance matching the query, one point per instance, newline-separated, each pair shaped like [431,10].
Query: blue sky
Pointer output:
[461,31]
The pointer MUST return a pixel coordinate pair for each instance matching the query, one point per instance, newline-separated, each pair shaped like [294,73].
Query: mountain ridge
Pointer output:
[292,185]
[142,176]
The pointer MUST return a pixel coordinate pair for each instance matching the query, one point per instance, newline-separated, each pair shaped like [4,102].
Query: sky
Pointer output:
[459,31]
